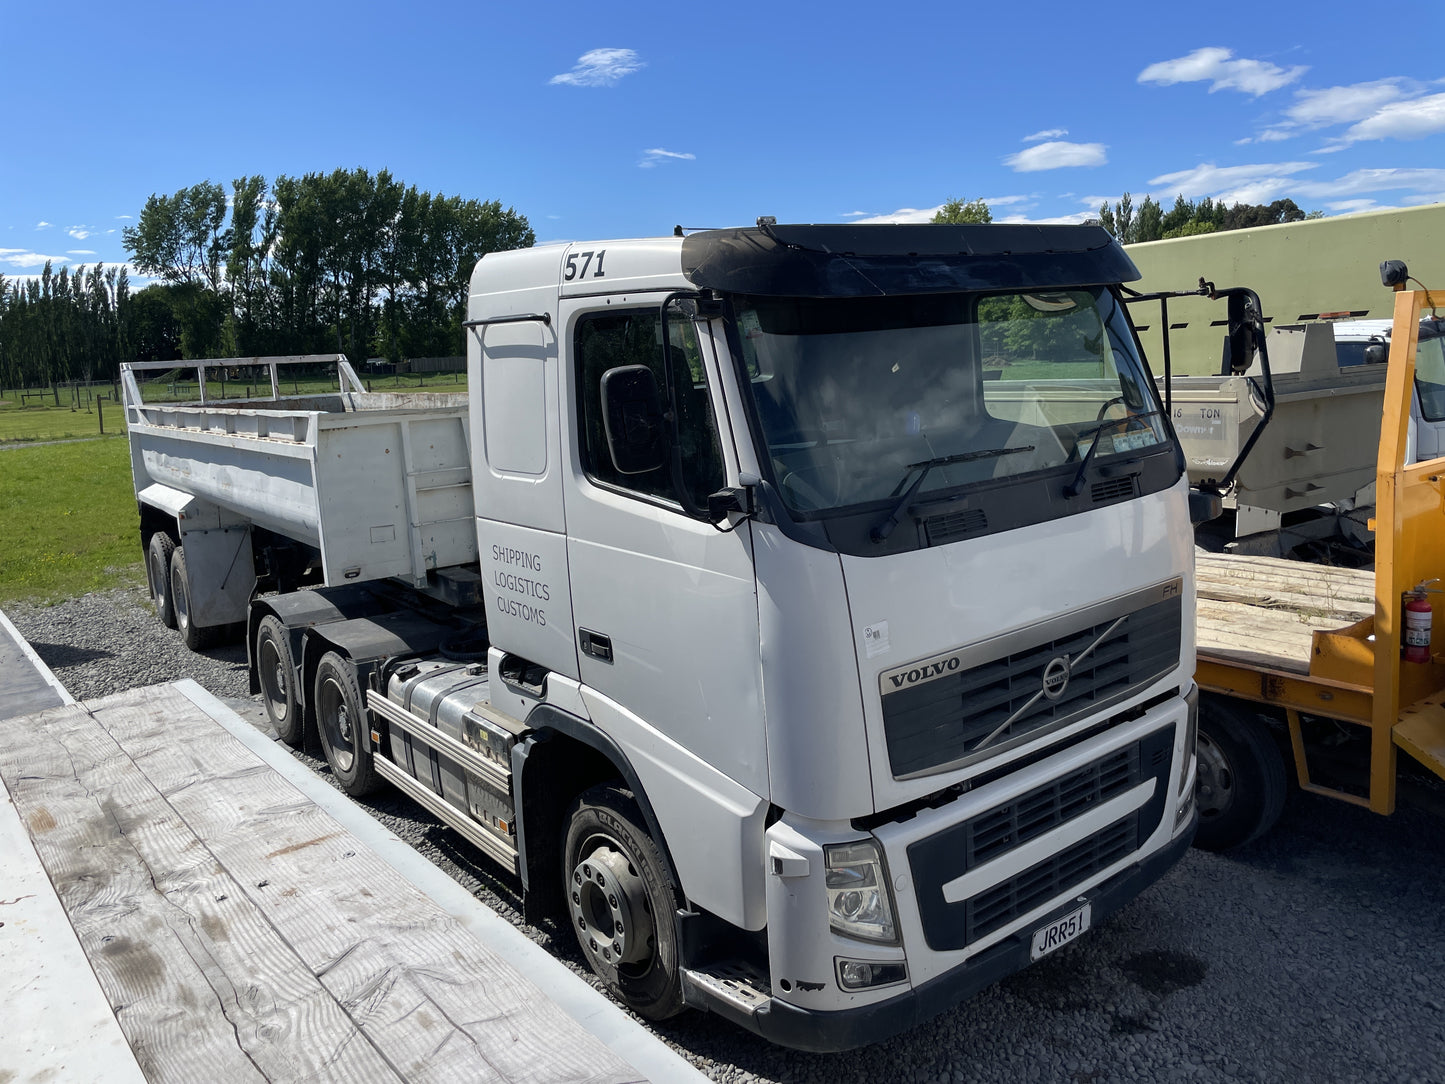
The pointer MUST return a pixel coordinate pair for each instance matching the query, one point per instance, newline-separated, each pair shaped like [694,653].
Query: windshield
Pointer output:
[858,397]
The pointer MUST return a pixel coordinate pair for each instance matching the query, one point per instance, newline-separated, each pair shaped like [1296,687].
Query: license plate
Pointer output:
[1059,932]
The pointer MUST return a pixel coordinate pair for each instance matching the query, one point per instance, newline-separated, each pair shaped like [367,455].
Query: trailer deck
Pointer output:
[242,929]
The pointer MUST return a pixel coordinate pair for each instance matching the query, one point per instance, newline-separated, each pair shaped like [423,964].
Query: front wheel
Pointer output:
[623,902]
[1242,784]
[341,725]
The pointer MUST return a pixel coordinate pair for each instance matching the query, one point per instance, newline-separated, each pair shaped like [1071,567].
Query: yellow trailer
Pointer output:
[1270,642]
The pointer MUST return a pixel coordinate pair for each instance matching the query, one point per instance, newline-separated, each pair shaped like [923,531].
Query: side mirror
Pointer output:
[1204,506]
[1394,274]
[1239,339]
[632,417]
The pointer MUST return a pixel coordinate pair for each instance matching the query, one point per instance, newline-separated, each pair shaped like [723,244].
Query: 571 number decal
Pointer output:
[591,260]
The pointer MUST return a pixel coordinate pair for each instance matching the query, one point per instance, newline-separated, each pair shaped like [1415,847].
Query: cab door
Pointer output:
[664,604]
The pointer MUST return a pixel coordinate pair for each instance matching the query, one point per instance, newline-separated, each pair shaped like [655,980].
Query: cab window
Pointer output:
[607,340]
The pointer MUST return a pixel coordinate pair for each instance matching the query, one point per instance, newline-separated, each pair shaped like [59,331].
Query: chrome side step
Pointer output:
[448,814]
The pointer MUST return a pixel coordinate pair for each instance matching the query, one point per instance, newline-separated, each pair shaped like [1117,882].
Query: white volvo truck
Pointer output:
[804,613]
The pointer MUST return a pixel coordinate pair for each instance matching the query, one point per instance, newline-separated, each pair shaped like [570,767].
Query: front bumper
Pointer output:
[824,1032]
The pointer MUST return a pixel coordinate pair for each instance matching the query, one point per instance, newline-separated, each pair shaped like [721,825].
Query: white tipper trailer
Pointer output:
[804,614]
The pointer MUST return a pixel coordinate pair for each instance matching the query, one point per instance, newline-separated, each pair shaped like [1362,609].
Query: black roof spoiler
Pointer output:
[888,260]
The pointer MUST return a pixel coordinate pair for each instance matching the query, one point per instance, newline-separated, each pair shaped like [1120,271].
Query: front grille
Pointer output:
[1007,826]
[1006,901]
[968,845]
[951,714]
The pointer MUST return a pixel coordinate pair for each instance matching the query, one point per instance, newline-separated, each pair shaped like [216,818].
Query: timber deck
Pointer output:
[1263,611]
[239,931]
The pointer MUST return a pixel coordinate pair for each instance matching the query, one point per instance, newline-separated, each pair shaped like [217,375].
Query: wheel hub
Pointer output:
[1215,791]
[608,903]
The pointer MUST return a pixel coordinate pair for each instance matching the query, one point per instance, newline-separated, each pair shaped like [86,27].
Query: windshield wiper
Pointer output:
[885,528]
[1076,486]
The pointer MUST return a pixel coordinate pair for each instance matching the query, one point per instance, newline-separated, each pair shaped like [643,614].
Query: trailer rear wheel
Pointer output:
[196,637]
[623,902]
[341,724]
[158,571]
[1242,784]
[276,669]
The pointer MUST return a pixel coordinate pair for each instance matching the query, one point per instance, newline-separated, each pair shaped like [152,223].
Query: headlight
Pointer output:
[857,884]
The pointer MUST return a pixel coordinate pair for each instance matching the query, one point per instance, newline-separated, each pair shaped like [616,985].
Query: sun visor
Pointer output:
[884,260]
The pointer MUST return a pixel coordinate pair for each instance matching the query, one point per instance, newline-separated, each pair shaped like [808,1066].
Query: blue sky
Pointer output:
[604,120]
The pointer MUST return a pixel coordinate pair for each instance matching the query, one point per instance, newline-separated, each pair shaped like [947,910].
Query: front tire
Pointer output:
[623,902]
[276,671]
[1242,783]
[342,727]
[158,571]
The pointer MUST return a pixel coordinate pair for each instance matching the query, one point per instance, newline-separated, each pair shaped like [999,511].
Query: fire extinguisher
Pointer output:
[1417,623]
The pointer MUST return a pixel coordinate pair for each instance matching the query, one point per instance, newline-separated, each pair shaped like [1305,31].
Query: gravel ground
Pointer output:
[1314,954]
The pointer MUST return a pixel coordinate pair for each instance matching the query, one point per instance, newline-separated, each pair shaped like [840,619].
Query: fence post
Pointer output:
[100,412]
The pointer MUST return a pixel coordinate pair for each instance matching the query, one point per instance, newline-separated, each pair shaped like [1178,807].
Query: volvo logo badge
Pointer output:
[1056,677]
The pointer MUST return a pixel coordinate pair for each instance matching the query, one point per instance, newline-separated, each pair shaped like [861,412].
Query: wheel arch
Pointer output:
[562,757]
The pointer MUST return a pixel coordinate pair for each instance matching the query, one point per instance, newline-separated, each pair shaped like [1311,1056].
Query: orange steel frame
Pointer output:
[1355,673]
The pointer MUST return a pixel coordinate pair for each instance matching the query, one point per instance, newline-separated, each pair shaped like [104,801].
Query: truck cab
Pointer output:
[850,569]
[1367,342]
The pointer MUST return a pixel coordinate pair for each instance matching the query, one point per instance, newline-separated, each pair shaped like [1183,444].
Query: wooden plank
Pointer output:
[262,1013]
[176,1024]
[1257,635]
[1338,611]
[422,989]
[1353,585]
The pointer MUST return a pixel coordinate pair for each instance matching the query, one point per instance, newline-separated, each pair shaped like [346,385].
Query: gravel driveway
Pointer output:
[1315,954]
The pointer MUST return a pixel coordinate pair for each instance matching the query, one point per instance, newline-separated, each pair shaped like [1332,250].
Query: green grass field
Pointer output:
[70,523]
[32,423]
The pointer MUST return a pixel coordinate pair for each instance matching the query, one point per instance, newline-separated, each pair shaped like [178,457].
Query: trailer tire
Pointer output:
[276,674]
[158,571]
[622,902]
[196,637]
[1242,784]
[342,727]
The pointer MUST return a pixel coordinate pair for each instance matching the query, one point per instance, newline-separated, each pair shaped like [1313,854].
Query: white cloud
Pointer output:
[1217,67]
[905,214]
[599,68]
[650,158]
[1363,182]
[1412,119]
[118,217]
[1047,133]
[1056,220]
[23,257]
[80,252]
[1235,184]
[1342,105]
[43,225]
[1349,206]
[80,233]
[1057,155]
[1269,135]
[854,214]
